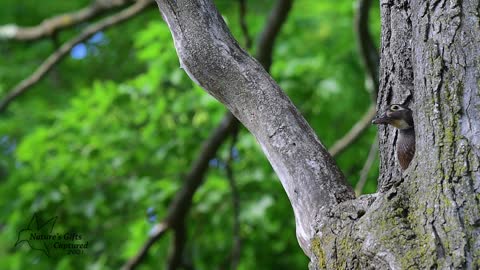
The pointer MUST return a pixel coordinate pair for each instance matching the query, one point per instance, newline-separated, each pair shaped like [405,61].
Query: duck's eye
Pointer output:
[395,108]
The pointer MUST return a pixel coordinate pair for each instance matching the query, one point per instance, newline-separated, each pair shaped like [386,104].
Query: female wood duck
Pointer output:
[401,117]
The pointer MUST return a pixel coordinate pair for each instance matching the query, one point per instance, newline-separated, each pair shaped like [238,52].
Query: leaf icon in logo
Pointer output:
[37,234]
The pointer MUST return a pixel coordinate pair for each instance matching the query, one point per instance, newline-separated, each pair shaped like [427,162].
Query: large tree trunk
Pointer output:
[427,217]
[424,218]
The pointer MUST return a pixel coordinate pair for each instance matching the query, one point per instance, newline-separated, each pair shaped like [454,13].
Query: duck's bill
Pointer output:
[381,120]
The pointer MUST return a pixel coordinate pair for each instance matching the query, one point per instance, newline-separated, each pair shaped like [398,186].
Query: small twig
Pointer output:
[243,24]
[354,133]
[372,154]
[61,52]
[57,23]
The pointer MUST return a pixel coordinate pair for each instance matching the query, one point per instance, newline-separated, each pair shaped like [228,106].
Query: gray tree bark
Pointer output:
[428,216]
[215,61]
[424,218]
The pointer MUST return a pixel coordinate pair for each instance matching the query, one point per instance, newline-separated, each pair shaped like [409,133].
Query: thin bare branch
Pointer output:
[61,52]
[354,133]
[267,37]
[372,154]
[57,23]
[367,48]
[243,24]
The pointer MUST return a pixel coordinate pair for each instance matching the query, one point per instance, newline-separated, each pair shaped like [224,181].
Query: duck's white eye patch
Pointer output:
[395,107]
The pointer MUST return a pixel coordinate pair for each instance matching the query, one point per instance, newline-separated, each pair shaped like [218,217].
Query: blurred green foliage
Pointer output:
[107,137]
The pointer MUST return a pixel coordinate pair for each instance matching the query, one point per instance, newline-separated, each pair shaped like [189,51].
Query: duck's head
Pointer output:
[396,115]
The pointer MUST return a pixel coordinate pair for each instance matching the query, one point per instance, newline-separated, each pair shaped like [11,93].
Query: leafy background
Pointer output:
[108,135]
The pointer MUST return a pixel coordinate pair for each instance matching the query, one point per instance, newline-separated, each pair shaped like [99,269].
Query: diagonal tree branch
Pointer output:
[52,25]
[158,231]
[61,52]
[309,175]
[354,133]
[182,201]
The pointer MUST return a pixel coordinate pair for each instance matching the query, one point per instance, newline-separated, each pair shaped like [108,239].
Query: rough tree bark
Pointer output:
[424,218]
[427,217]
